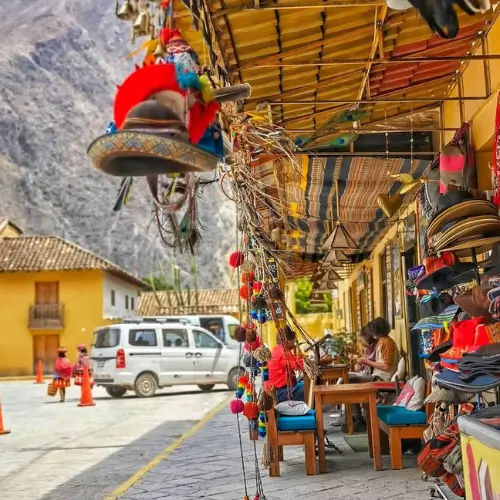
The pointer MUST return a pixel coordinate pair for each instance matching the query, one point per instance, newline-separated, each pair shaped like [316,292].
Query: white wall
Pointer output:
[122,289]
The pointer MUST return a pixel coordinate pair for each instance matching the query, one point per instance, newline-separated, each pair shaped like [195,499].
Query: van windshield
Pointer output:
[231,329]
[106,337]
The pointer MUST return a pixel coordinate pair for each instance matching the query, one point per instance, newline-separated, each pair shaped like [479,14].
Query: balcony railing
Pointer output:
[46,316]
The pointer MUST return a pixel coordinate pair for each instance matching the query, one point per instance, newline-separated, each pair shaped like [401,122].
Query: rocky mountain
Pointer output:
[60,62]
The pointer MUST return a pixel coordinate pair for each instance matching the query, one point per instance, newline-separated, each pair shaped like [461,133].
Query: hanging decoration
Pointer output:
[165,125]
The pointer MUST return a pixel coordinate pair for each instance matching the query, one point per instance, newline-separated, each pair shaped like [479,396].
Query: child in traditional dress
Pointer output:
[62,373]
[82,362]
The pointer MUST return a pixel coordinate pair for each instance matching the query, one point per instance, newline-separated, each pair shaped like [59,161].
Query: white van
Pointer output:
[144,356]
[222,326]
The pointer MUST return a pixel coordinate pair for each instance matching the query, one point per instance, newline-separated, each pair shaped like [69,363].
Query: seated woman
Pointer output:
[384,365]
[282,368]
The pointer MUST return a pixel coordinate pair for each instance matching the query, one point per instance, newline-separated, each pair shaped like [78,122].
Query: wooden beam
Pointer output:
[378,38]
[305,4]
[336,62]
[376,100]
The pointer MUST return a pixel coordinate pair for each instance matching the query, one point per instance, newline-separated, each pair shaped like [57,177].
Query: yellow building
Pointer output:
[54,293]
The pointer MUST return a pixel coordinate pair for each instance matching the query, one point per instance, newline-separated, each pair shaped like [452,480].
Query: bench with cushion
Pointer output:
[399,423]
[292,431]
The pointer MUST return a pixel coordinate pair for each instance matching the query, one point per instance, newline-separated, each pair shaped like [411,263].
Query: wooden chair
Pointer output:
[292,431]
[399,423]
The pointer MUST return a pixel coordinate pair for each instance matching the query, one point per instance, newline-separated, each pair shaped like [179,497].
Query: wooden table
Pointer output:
[329,374]
[348,394]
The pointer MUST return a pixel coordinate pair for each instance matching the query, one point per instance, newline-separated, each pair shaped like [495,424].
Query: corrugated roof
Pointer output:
[319,52]
[157,303]
[50,253]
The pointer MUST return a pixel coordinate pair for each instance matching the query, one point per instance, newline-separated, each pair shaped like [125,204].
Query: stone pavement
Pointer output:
[208,465]
[61,452]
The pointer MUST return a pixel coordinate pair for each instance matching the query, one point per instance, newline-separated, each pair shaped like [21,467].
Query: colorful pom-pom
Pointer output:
[254,314]
[237,406]
[251,411]
[251,336]
[244,291]
[236,259]
[187,79]
[251,346]
[240,334]
[257,287]
[248,277]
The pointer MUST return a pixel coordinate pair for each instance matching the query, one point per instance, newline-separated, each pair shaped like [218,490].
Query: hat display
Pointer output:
[476,302]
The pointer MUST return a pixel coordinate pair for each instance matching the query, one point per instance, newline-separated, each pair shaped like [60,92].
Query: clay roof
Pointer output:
[4,222]
[50,253]
[209,302]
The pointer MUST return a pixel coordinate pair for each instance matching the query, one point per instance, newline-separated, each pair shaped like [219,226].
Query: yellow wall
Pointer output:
[316,324]
[79,291]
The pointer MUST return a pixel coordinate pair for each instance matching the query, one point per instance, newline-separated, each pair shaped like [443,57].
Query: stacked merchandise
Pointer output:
[459,300]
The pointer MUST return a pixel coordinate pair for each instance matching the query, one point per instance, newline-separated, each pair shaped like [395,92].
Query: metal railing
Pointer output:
[46,316]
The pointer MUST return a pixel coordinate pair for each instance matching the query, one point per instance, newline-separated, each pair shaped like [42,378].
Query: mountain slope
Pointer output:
[60,62]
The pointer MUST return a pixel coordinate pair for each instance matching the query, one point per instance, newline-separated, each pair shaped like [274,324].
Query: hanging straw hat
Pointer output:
[465,230]
[480,245]
[456,205]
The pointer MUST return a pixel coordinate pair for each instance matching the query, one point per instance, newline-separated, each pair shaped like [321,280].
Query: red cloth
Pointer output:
[281,367]
[63,368]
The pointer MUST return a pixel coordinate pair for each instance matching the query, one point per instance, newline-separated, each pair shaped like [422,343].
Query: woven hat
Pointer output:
[480,245]
[475,302]
[465,230]
[456,205]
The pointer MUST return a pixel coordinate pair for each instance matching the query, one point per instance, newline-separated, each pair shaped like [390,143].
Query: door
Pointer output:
[209,365]
[177,357]
[143,352]
[45,348]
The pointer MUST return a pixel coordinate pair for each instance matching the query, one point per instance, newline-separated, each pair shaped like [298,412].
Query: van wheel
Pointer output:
[115,391]
[145,385]
[206,387]
[234,376]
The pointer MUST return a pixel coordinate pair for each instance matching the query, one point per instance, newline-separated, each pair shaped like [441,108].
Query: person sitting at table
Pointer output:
[384,365]
[369,349]
[282,366]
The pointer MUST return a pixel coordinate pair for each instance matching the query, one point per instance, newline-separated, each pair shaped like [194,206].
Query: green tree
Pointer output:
[303,295]
[158,283]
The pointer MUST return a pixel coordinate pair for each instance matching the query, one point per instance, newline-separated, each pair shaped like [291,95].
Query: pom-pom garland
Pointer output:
[257,287]
[237,406]
[259,302]
[236,259]
[248,277]
[248,266]
[251,336]
[266,402]
[251,346]
[251,410]
[262,425]
[262,316]
[240,334]
[244,291]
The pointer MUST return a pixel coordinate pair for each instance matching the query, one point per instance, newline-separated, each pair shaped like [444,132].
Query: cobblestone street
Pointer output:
[62,452]
[59,451]
[208,465]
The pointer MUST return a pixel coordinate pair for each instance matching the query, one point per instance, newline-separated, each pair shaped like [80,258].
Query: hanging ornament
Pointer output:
[237,406]
[257,287]
[240,334]
[236,259]
[247,277]
[244,291]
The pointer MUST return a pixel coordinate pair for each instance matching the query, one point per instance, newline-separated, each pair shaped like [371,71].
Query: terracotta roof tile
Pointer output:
[50,253]
[215,301]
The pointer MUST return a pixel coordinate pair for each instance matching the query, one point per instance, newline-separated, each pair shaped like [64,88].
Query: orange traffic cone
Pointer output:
[2,430]
[86,397]
[39,373]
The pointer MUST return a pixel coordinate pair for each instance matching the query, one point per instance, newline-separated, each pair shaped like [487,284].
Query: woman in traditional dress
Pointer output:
[82,362]
[62,373]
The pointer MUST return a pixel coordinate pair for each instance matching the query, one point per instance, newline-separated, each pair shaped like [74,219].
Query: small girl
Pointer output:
[62,373]
[82,362]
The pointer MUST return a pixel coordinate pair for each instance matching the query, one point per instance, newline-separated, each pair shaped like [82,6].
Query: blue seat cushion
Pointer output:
[397,415]
[300,383]
[305,422]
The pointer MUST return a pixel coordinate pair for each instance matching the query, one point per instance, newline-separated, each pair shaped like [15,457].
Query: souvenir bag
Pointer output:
[51,390]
